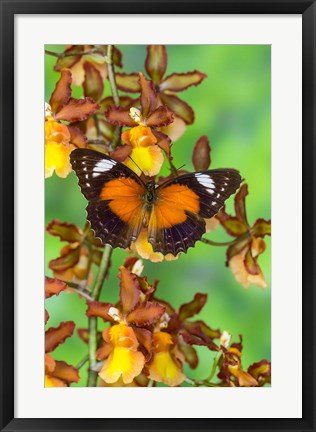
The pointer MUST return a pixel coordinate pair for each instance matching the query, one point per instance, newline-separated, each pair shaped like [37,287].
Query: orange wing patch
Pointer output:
[125,196]
[172,203]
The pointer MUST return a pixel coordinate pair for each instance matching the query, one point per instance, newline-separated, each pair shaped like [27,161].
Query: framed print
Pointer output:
[160,217]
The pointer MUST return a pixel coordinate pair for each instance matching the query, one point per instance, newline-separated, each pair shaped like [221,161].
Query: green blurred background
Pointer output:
[233,108]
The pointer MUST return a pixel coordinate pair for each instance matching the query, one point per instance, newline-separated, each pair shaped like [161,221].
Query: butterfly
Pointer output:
[121,203]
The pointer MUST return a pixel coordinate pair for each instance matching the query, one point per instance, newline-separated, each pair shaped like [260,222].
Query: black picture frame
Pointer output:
[8,10]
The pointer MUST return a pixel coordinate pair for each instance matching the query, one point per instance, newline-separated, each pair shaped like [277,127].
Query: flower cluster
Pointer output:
[61,138]
[82,249]
[143,340]
[57,373]
[147,339]
[243,253]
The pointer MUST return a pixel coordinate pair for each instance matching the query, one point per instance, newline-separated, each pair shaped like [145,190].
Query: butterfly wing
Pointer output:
[115,210]
[177,217]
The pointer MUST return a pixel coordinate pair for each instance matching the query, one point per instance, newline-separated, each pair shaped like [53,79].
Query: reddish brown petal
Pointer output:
[121,152]
[129,292]
[161,116]
[178,82]
[145,314]
[83,333]
[77,137]
[106,103]
[104,351]
[117,57]
[106,129]
[231,224]
[251,264]
[65,231]
[62,91]
[77,110]
[164,142]
[261,228]
[66,261]
[55,336]
[128,82]
[244,378]
[93,82]
[69,61]
[129,262]
[147,288]
[144,337]
[156,62]
[195,340]
[53,286]
[238,345]
[148,97]
[189,352]
[125,101]
[192,308]
[236,248]
[119,116]
[49,363]
[261,371]
[46,316]
[258,246]
[200,328]
[201,158]
[168,307]
[240,204]
[95,241]
[99,309]
[66,372]
[178,106]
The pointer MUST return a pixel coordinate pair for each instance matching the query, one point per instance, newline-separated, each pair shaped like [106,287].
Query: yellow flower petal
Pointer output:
[54,382]
[56,132]
[164,369]
[145,159]
[57,158]
[123,336]
[118,383]
[144,249]
[124,363]
[244,378]
[139,136]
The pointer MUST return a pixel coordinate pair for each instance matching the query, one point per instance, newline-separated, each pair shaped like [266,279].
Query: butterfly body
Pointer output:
[121,204]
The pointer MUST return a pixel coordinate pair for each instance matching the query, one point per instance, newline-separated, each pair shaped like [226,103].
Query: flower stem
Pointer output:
[96,291]
[104,267]
[82,362]
[115,95]
[173,169]
[215,363]
[200,383]
[112,75]
[229,243]
[92,375]
[70,53]
[214,243]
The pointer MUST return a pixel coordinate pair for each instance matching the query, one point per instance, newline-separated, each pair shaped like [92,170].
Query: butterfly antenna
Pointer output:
[136,164]
[178,169]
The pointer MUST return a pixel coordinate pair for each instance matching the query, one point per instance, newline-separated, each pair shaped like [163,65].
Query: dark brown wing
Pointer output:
[177,218]
[115,210]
